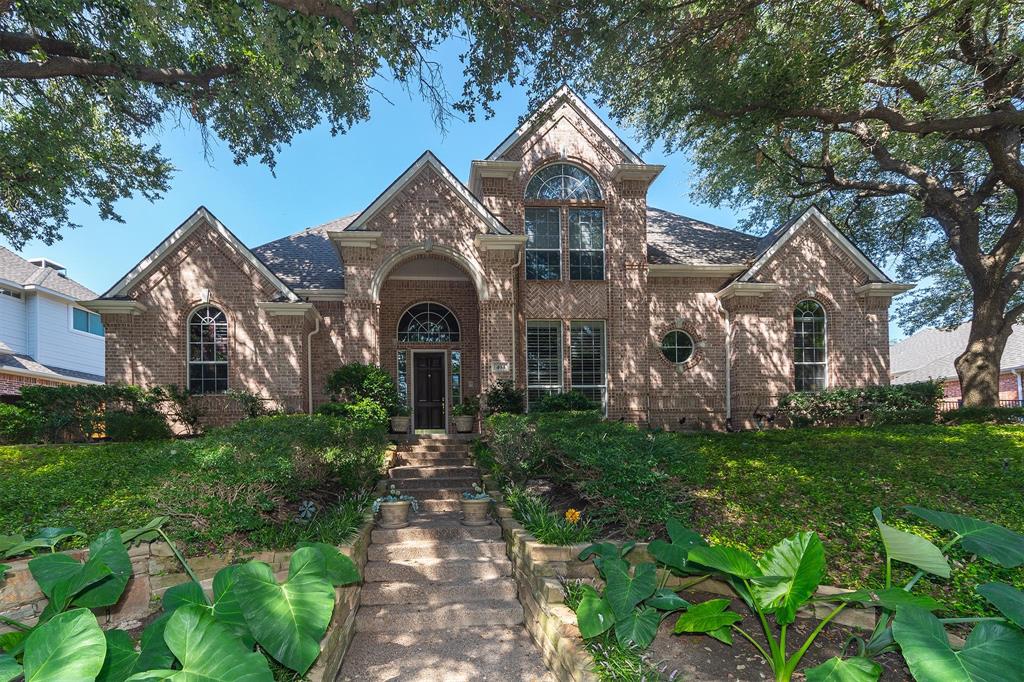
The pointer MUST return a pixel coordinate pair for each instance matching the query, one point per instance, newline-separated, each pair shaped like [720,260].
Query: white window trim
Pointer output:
[604,362]
[526,245]
[824,363]
[604,243]
[79,332]
[559,387]
[188,350]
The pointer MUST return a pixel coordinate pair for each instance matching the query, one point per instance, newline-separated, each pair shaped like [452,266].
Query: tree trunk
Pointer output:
[978,366]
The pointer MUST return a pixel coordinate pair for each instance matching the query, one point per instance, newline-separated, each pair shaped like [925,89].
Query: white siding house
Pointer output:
[45,335]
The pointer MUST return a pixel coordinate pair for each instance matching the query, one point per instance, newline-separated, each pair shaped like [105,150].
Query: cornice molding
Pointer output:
[285,308]
[357,239]
[746,290]
[114,306]
[321,294]
[499,242]
[882,289]
[695,269]
[643,172]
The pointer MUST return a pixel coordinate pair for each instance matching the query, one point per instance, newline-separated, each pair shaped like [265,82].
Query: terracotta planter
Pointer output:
[400,424]
[394,514]
[464,423]
[474,512]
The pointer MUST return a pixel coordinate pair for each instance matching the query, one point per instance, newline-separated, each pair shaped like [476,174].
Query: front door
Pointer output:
[428,389]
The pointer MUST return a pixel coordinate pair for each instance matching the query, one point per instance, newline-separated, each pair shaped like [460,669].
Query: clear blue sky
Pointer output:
[318,177]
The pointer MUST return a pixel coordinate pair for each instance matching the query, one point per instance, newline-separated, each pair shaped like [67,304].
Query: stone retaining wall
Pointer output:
[155,569]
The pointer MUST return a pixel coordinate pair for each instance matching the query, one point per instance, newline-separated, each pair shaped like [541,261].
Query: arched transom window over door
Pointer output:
[428,323]
[810,346]
[207,351]
[557,195]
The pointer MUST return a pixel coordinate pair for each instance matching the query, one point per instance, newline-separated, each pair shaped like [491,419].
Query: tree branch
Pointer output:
[57,67]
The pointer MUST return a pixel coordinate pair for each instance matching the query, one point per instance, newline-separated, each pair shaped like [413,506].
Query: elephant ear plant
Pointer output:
[227,638]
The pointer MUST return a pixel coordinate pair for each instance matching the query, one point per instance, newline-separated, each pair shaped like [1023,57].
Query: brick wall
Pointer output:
[1007,388]
[10,384]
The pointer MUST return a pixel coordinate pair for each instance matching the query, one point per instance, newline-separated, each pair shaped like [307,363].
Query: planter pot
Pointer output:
[400,424]
[474,512]
[394,514]
[464,423]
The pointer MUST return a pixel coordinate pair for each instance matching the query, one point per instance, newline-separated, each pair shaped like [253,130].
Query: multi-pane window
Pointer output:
[562,182]
[543,359]
[208,351]
[586,243]
[810,351]
[456,377]
[543,243]
[587,355]
[403,377]
[428,323]
[677,346]
[87,322]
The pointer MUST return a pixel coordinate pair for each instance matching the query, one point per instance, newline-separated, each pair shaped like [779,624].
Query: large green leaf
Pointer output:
[188,593]
[594,614]
[992,652]
[893,598]
[121,657]
[665,599]
[911,549]
[638,628]
[856,669]
[625,592]
[107,548]
[341,570]
[1007,598]
[707,616]
[9,668]
[153,651]
[288,620]
[987,540]
[63,591]
[800,562]
[725,559]
[97,582]
[674,554]
[207,651]
[47,538]
[226,608]
[147,533]
[70,647]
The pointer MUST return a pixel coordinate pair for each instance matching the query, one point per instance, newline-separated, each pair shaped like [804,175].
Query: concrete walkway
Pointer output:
[438,600]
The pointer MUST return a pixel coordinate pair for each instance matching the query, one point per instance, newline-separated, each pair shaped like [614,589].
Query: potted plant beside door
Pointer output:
[465,414]
[400,418]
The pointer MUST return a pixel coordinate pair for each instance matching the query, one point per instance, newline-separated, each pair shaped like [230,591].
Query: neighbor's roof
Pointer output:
[18,271]
[25,364]
[929,354]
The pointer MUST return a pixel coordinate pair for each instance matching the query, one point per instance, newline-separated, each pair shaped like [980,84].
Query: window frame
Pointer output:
[456,330]
[89,315]
[557,211]
[603,386]
[189,362]
[689,337]
[799,334]
[600,211]
[545,389]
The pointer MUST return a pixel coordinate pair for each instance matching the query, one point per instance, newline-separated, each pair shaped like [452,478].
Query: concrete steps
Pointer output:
[439,593]
[417,461]
[403,473]
[413,551]
[489,613]
[427,570]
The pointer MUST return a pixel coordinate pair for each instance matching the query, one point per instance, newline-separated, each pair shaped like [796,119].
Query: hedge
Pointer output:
[914,403]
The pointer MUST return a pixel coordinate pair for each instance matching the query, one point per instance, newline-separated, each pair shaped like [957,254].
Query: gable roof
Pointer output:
[24,365]
[16,271]
[541,114]
[307,259]
[427,158]
[166,247]
[674,239]
[930,353]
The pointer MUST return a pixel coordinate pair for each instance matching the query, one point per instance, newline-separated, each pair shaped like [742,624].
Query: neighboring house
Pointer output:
[929,355]
[548,267]
[46,336]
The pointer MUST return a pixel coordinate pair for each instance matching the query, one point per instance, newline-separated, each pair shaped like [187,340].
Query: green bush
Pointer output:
[76,412]
[355,381]
[513,445]
[503,396]
[252,405]
[182,407]
[570,401]
[996,415]
[135,426]
[882,404]
[18,425]
[365,409]
[549,527]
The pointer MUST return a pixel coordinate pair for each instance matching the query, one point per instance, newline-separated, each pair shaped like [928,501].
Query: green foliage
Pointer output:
[469,407]
[355,381]
[568,401]
[77,412]
[503,396]
[547,526]
[994,415]
[135,426]
[183,407]
[364,409]
[44,538]
[900,404]
[18,424]
[70,646]
[97,582]
[513,446]
[252,405]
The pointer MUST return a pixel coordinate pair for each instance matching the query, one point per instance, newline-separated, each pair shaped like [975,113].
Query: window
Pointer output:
[87,322]
[403,377]
[207,351]
[428,323]
[456,375]
[563,182]
[587,353]
[677,346]
[810,353]
[543,244]
[543,359]
[586,243]
[8,292]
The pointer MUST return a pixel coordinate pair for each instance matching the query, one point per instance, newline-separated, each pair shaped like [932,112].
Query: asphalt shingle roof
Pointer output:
[929,354]
[16,269]
[307,259]
[25,362]
[676,239]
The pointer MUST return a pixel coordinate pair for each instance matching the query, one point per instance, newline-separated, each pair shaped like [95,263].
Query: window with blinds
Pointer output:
[587,355]
[543,359]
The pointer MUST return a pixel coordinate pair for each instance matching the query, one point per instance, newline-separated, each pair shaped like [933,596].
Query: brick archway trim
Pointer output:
[472,268]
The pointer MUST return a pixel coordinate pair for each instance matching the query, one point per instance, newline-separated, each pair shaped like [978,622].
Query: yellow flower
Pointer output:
[572,516]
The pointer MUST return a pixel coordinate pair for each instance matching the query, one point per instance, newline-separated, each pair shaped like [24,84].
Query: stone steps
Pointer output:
[453,531]
[428,570]
[436,493]
[418,484]
[438,592]
[415,461]
[443,505]
[402,473]
[410,551]
[489,613]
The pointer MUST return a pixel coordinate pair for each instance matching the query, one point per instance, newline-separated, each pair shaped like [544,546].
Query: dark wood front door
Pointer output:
[428,389]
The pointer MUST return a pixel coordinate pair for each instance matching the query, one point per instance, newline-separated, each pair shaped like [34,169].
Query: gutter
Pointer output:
[515,313]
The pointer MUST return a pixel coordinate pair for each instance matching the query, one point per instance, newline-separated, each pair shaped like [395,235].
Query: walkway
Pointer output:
[438,600]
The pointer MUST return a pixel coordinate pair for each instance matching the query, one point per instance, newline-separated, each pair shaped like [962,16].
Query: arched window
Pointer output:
[677,346]
[563,183]
[207,351]
[810,349]
[428,323]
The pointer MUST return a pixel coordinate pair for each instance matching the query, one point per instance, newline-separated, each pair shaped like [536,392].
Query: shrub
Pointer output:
[997,415]
[503,396]
[252,405]
[514,446]
[76,412]
[549,527]
[355,381]
[570,401]
[134,426]
[18,425]
[469,407]
[364,410]
[838,406]
[181,405]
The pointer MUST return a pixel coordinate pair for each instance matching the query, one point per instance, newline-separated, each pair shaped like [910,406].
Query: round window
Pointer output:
[677,346]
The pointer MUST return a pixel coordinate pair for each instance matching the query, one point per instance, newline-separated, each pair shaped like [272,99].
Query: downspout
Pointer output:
[515,310]
[309,359]
[1020,387]
[728,361]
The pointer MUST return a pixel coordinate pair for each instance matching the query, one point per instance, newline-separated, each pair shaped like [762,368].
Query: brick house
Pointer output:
[549,268]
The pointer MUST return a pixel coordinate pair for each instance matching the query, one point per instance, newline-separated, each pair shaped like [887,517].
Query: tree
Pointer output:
[902,119]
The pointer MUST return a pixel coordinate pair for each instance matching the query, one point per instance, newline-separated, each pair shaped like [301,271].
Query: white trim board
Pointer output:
[427,159]
[166,247]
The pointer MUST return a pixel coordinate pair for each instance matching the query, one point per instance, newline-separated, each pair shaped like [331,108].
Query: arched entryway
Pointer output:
[429,337]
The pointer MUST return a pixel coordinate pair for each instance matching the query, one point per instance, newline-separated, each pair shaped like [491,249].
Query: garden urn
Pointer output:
[474,512]
[464,423]
[394,514]
[400,424]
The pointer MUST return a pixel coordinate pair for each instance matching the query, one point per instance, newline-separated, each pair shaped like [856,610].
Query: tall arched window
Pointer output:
[428,323]
[207,351]
[810,346]
[559,194]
